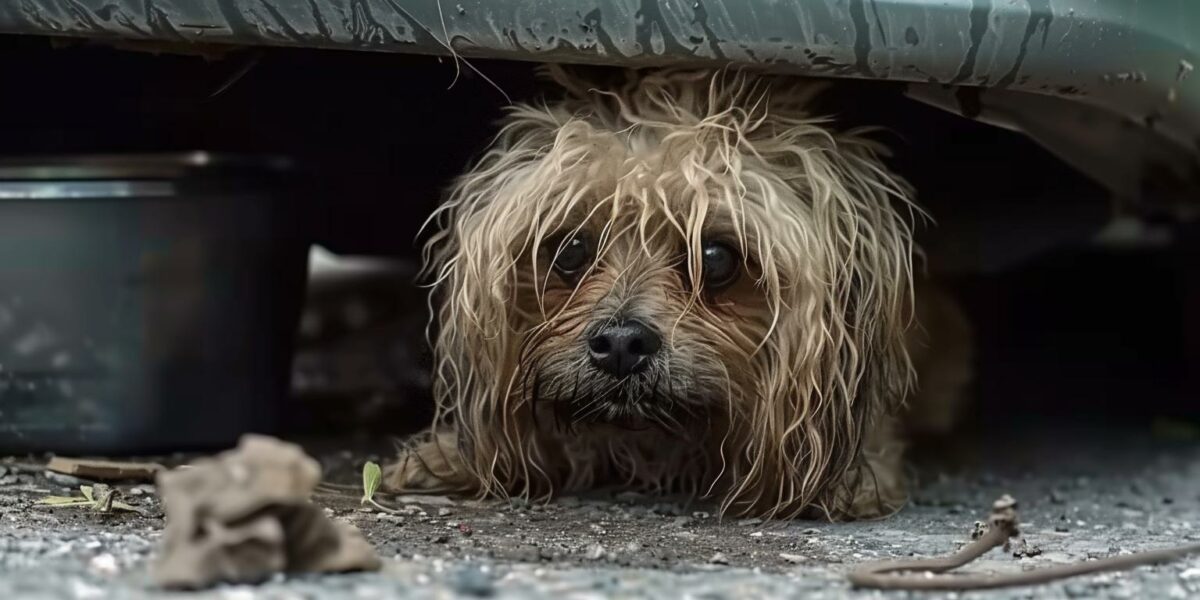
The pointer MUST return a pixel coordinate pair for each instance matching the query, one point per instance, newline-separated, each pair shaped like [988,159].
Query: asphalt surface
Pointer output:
[1083,495]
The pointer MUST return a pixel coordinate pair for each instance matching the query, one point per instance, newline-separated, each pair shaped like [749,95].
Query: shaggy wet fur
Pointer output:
[775,395]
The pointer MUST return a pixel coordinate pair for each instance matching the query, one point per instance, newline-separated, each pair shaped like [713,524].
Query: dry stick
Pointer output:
[902,574]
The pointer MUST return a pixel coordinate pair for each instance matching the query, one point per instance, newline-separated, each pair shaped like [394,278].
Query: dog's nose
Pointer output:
[624,348]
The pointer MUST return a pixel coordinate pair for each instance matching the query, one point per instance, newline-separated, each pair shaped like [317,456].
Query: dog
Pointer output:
[677,282]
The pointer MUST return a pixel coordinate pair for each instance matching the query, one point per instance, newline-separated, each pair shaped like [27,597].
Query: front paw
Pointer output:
[432,465]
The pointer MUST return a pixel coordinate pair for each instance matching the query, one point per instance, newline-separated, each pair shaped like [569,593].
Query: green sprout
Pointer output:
[372,477]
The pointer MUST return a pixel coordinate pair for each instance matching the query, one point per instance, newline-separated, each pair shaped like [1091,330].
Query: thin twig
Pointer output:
[919,574]
[448,44]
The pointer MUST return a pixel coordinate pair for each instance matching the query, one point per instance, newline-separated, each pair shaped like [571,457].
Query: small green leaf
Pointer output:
[87,492]
[372,477]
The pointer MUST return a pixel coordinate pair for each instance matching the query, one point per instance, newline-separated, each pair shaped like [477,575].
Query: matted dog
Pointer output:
[681,282]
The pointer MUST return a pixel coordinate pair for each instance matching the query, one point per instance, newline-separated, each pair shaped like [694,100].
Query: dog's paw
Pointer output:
[879,487]
[432,464]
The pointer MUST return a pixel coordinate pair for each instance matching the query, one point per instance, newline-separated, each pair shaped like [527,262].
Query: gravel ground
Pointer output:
[1083,494]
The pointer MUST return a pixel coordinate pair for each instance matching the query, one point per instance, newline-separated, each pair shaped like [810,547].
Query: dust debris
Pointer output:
[1020,548]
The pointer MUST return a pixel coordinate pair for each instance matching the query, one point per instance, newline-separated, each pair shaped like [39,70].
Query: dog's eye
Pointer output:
[720,265]
[570,256]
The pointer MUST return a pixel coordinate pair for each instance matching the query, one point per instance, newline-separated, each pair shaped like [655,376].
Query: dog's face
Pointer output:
[639,328]
[692,253]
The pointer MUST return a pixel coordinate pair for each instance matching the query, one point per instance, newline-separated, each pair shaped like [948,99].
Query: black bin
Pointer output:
[147,303]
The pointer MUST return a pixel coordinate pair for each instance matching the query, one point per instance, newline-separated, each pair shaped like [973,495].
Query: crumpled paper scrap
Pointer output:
[245,514]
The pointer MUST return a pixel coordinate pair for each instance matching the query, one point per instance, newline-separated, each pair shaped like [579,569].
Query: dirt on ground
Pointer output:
[1082,497]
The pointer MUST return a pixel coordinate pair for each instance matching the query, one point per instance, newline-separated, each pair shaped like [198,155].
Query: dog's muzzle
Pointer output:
[623,348]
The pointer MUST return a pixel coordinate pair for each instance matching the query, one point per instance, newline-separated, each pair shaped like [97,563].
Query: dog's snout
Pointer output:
[623,348]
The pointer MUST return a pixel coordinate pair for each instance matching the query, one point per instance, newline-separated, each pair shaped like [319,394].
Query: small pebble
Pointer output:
[1023,549]
[719,559]
[473,580]
[104,564]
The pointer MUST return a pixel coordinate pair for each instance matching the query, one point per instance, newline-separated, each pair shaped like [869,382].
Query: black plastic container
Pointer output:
[147,303]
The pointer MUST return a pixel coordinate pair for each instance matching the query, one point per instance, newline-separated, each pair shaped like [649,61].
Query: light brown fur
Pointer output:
[778,396]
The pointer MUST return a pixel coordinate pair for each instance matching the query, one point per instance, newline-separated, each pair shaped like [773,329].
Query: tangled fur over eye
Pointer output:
[799,386]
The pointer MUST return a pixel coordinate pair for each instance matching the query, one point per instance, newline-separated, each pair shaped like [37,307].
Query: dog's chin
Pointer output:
[636,402]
